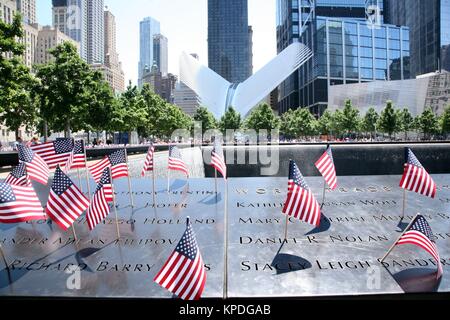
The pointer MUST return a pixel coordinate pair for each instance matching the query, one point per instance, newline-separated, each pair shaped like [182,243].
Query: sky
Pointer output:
[184,23]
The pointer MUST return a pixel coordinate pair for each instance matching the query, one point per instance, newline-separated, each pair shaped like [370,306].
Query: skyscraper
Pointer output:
[348,48]
[161,53]
[429,24]
[148,28]
[8,9]
[228,39]
[28,10]
[95,31]
[83,21]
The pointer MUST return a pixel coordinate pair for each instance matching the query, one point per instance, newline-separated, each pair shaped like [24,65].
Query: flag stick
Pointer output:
[168,181]
[79,179]
[114,204]
[215,179]
[154,188]
[225,260]
[285,228]
[324,191]
[87,173]
[404,203]
[392,247]
[74,233]
[129,180]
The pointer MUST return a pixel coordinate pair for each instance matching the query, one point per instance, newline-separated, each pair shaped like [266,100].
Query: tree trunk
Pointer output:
[67,131]
[45,131]
[88,137]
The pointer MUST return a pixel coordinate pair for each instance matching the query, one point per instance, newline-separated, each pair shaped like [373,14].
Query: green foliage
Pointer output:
[206,118]
[405,121]
[17,101]
[325,123]
[369,123]
[388,122]
[350,118]
[230,120]
[337,123]
[428,123]
[66,89]
[445,121]
[262,118]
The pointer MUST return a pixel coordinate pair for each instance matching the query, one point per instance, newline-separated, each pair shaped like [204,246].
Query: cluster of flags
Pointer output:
[183,273]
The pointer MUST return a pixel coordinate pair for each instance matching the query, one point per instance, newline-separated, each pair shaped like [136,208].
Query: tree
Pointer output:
[206,118]
[325,123]
[305,122]
[350,118]
[405,121]
[174,118]
[287,126]
[231,120]
[155,107]
[66,89]
[388,122]
[262,118]
[370,122]
[17,102]
[132,109]
[337,123]
[445,121]
[428,123]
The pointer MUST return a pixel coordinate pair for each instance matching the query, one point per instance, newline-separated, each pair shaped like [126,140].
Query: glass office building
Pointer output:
[429,24]
[148,28]
[229,39]
[350,51]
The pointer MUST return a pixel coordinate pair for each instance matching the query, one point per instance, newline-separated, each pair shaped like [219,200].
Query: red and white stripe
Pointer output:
[149,163]
[23,181]
[98,209]
[178,165]
[302,205]
[418,180]
[75,161]
[38,170]
[47,152]
[97,168]
[184,277]
[218,163]
[325,165]
[27,207]
[119,171]
[419,239]
[65,209]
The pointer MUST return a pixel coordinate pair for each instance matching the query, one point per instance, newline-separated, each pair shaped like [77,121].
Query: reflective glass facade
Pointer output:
[429,23]
[229,49]
[148,28]
[349,51]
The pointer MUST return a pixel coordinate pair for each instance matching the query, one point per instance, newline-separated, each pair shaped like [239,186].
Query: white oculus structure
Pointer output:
[217,94]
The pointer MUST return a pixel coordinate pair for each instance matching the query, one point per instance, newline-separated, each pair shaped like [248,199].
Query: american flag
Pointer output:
[416,178]
[77,158]
[218,160]
[37,168]
[99,207]
[325,165]
[149,160]
[300,202]
[54,153]
[19,204]
[19,176]
[117,161]
[66,203]
[184,274]
[176,162]
[420,234]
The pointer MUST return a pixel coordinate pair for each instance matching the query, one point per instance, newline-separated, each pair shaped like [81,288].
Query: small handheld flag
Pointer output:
[326,167]
[300,202]
[77,158]
[54,153]
[116,161]
[37,168]
[19,204]
[19,176]
[218,160]
[176,162]
[184,273]
[416,178]
[66,203]
[148,164]
[99,208]
[419,233]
